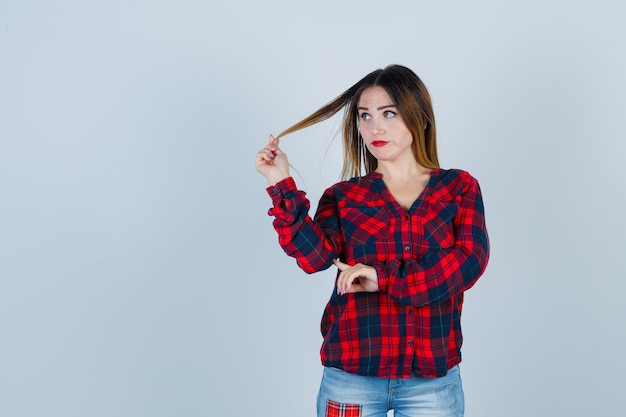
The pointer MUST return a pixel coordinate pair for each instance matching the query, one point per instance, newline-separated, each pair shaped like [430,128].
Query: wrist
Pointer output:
[274,179]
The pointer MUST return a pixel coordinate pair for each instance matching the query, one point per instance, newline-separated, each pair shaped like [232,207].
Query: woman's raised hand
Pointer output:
[272,162]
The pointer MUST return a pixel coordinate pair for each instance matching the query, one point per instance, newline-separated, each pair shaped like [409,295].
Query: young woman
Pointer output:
[408,238]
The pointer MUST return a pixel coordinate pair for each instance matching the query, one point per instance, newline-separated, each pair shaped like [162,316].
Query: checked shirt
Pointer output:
[425,258]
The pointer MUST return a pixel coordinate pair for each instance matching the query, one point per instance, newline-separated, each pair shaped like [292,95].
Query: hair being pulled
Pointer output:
[411,98]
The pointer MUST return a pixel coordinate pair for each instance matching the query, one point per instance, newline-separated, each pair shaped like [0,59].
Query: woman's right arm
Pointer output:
[313,243]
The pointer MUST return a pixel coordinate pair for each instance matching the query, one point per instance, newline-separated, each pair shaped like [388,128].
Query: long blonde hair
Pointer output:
[411,98]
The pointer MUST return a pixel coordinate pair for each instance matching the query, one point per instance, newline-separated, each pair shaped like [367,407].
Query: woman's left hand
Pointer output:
[356,278]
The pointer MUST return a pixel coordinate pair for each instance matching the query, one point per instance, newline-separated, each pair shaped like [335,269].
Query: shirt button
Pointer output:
[411,342]
[407,248]
[410,311]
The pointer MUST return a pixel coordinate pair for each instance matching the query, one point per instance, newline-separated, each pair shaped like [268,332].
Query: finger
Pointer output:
[266,155]
[263,154]
[343,280]
[275,148]
[273,143]
[346,281]
[342,266]
[353,288]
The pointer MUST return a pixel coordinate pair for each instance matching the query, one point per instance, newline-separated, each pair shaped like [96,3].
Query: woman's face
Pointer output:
[383,131]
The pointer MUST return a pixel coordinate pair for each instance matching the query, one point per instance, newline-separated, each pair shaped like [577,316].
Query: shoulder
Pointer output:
[367,187]
[453,181]
[453,175]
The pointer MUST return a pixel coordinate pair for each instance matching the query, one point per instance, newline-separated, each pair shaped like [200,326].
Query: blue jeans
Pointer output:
[348,395]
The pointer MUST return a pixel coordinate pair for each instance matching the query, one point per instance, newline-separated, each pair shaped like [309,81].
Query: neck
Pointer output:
[400,172]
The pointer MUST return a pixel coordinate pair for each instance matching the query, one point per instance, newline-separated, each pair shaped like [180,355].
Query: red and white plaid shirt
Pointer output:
[425,258]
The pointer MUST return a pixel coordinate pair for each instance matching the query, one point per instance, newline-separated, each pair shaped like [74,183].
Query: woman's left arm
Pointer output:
[445,273]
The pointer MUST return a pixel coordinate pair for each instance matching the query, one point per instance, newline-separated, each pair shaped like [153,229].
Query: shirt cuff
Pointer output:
[284,200]
[383,278]
[278,190]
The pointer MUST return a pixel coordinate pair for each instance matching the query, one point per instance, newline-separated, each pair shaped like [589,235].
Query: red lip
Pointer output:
[379,143]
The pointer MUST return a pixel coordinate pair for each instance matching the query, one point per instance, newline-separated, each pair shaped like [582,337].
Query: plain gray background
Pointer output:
[140,274]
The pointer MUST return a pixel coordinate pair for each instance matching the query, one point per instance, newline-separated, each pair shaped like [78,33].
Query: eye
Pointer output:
[388,114]
[365,116]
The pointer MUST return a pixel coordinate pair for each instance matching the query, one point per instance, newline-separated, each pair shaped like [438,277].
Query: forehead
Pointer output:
[375,96]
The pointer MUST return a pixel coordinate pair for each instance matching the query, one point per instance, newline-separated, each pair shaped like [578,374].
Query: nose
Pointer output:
[378,129]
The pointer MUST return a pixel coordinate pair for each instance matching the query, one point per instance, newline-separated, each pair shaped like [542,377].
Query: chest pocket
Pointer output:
[438,224]
[364,223]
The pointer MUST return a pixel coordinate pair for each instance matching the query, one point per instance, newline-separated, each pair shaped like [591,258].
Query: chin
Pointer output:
[382,156]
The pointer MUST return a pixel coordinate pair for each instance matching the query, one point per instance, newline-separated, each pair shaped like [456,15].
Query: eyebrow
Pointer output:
[380,108]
